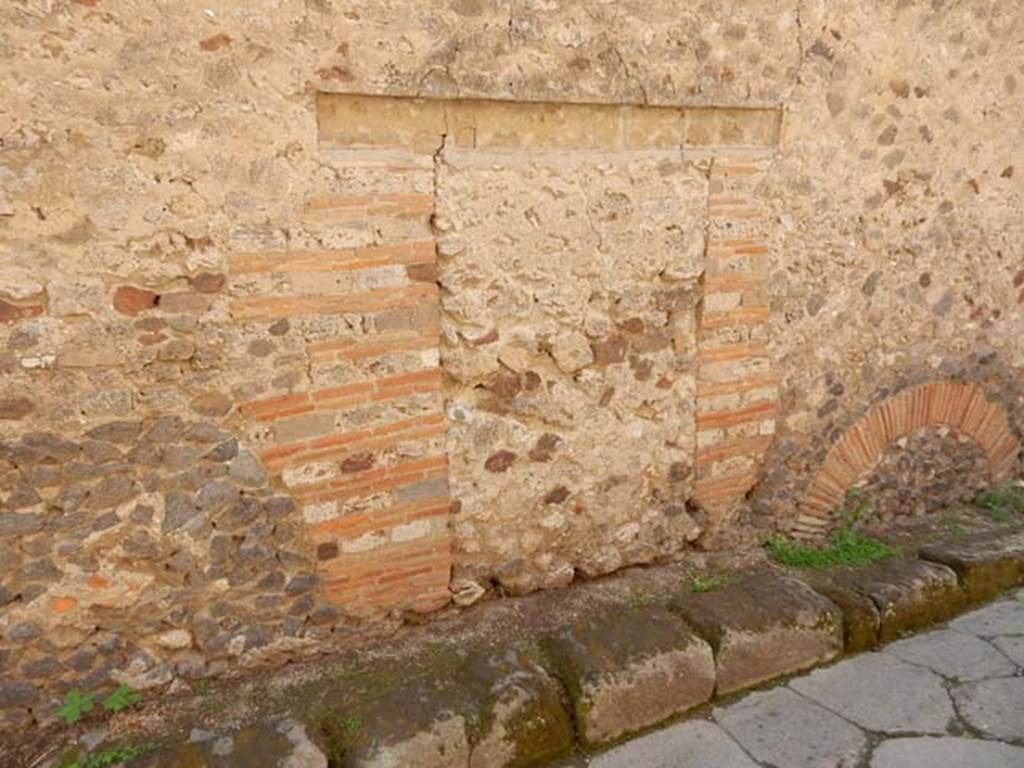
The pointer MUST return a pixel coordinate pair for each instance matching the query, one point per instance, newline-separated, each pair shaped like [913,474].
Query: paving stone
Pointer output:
[946,752]
[1002,618]
[1012,646]
[994,707]
[627,670]
[862,689]
[814,737]
[762,627]
[907,594]
[987,563]
[953,655]
[694,744]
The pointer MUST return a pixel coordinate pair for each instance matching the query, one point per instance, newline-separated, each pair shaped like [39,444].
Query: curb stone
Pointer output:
[901,596]
[627,670]
[762,627]
[986,564]
[598,679]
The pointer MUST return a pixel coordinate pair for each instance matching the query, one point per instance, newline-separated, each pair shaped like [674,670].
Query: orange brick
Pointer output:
[285,413]
[975,416]
[98,581]
[253,308]
[744,446]
[720,169]
[753,250]
[720,419]
[725,488]
[64,604]
[705,389]
[376,346]
[341,201]
[345,390]
[730,282]
[273,404]
[338,260]
[720,200]
[355,441]
[735,317]
[371,444]
[728,352]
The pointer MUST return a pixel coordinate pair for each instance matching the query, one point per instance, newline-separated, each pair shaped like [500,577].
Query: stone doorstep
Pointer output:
[624,669]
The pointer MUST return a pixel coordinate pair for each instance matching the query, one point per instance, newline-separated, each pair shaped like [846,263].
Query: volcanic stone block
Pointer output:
[986,563]
[860,615]
[763,626]
[629,669]
[907,595]
[447,706]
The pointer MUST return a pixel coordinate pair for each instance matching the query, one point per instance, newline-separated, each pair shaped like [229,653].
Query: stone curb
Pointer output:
[606,676]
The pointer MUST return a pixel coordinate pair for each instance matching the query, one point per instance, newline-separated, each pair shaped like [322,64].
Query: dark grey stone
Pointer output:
[18,524]
[40,570]
[225,451]
[100,453]
[23,631]
[245,511]
[115,490]
[71,498]
[52,446]
[22,495]
[47,666]
[17,694]
[301,583]
[203,432]
[105,521]
[43,476]
[121,432]
[142,514]
[179,510]
[165,429]
[279,507]
[246,470]
[215,495]
[272,580]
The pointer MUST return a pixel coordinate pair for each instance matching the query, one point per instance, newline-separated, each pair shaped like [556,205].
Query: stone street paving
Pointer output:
[952,697]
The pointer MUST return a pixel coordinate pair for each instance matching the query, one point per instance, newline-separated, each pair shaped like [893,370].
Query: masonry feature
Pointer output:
[965,408]
[360,448]
[383,122]
[576,243]
[737,390]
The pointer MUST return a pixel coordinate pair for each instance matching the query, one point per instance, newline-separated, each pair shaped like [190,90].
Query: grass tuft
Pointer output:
[845,547]
[1003,504]
[700,584]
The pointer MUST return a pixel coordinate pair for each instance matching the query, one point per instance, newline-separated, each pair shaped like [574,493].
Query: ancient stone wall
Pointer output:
[315,311]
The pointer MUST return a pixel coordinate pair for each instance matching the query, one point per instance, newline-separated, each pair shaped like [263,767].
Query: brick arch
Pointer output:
[963,407]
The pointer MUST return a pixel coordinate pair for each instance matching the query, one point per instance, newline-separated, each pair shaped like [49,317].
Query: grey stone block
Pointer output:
[762,627]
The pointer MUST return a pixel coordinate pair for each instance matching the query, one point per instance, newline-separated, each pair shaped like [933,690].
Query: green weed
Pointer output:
[700,584]
[77,704]
[110,756]
[951,524]
[1003,504]
[122,698]
[845,547]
